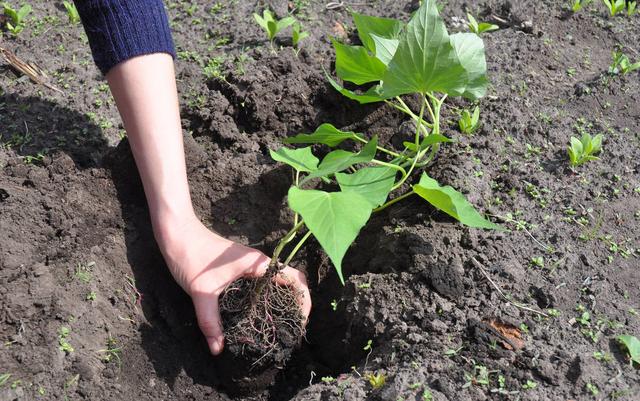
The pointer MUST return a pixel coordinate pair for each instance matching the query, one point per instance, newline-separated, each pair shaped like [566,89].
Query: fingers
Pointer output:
[209,321]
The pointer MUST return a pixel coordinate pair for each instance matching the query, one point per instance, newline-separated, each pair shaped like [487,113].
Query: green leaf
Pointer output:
[272,29]
[451,202]
[429,60]
[385,48]
[24,11]
[423,60]
[285,23]
[325,134]
[339,160]
[382,27]
[370,96]
[633,346]
[469,49]
[262,21]
[300,159]
[373,183]
[428,141]
[577,147]
[487,27]
[355,64]
[334,218]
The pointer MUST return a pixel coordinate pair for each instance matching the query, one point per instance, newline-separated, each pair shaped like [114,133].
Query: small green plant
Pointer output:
[469,122]
[298,35]
[111,353]
[577,5]
[377,380]
[479,28]
[632,346]
[622,65]
[592,388]
[416,58]
[72,12]
[615,6]
[271,25]
[583,150]
[631,7]
[529,385]
[64,345]
[17,17]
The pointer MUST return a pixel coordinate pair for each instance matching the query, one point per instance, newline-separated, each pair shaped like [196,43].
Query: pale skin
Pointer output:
[202,262]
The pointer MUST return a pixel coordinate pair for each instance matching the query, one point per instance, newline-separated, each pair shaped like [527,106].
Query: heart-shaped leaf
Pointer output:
[373,183]
[334,218]
[385,48]
[372,95]
[339,160]
[300,159]
[383,27]
[355,64]
[451,202]
[325,134]
[632,344]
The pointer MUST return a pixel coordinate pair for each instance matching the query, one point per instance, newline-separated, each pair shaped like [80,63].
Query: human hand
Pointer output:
[204,263]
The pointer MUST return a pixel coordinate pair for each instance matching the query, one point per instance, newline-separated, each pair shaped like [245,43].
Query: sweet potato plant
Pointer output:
[420,59]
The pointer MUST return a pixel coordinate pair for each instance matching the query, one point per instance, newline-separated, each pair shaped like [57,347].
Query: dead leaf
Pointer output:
[339,31]
[510,335]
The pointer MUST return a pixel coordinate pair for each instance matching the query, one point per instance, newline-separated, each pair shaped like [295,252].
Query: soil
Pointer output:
[421,308]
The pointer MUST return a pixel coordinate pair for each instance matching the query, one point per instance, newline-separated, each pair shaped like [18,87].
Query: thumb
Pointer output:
[209,321]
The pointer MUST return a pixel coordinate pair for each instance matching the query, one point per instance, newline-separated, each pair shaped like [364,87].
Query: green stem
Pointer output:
[417,143]
[380,148]
[273,265]
[391,202]
[297,248]
[392,166]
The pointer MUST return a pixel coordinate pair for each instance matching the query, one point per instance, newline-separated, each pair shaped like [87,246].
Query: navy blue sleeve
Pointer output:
[121,29]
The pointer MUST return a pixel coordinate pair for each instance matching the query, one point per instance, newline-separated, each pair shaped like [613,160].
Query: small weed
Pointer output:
[479,28]
[64,345]
[583,150]
[271,25]
[621,64]
[615,6]
[577,5]
[72,12]
[17,17]
[529,385]
[377,380]
[593,389]
[469,122]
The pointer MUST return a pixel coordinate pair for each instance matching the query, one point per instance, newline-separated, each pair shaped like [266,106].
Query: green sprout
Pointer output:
[16,17]
[479,28]
[72,12]
[615,6]
[622,65]
[271,25]
[64,345]
[529,385]
[583,150]
[631,8]
[577,5]
[377,380]
[298,35]
[469,123]
[419,58]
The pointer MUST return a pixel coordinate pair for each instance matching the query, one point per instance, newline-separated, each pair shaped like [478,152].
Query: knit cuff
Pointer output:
[121,29]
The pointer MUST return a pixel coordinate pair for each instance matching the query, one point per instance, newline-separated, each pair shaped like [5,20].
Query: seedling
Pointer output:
[17,17]
[419,58]
[469,123]
[72,12]
[578,5]
[377,380]
[298,36]
[615,6]
[271,25]
[631,8]
[583,150]
[64,345]
[622,65]
[529,385]
[632,346]
[479,28]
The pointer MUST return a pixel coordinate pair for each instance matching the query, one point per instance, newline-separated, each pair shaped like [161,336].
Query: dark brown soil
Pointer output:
[77,251]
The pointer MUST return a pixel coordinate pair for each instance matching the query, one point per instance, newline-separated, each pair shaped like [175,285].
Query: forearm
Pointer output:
[144,89]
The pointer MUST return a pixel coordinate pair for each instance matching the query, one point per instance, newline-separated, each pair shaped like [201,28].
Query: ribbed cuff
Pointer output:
[121,29]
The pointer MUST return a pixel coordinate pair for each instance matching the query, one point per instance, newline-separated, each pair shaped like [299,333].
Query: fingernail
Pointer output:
[216,346]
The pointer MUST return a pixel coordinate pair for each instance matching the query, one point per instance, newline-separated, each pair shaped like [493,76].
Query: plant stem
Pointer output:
[417,143]
[380,148]
[392,166]
[297,248]
[391,202]
[273,265]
